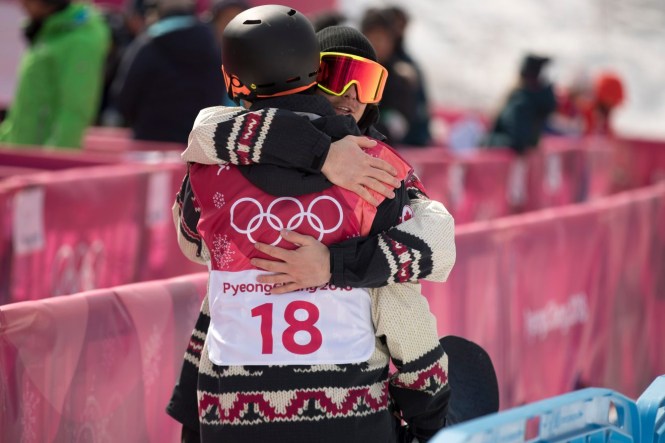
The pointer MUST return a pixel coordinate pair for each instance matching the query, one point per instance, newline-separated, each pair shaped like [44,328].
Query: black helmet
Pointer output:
[269,50]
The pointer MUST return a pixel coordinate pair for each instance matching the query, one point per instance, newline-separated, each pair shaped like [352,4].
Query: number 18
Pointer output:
[288,336]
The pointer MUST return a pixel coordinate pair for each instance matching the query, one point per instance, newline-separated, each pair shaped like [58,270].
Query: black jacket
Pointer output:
[167,75]
[520,122]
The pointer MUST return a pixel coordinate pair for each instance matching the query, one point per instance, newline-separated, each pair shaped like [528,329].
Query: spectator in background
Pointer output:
[124,25]
[574,98]
[222,12]
[586,105]
[399,106]
[608,94]
[136,15]
[60,76]
[169,74]
[327,19]
[521,121]
[418,134]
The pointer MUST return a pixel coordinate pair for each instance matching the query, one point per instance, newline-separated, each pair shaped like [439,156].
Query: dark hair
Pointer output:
[327,19]
[57,4]
[220,6]
[398,13]
[378,19]
[532,65]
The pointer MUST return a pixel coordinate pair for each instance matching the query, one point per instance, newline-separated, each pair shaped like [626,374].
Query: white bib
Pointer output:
[249,326]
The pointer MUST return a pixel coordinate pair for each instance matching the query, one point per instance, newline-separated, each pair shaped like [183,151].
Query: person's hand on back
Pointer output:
[305,267]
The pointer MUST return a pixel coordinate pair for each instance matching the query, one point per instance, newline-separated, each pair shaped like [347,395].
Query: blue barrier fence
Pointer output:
[592,415]
[651,406]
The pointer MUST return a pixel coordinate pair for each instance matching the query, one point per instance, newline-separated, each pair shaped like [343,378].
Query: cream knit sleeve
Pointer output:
[434,225]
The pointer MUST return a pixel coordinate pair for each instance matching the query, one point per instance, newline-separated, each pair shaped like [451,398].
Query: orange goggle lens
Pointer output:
[339,71]
[234,87]
[237,90]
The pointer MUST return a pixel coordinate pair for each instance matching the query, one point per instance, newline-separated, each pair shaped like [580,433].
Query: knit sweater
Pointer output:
[321,402]
[421,248]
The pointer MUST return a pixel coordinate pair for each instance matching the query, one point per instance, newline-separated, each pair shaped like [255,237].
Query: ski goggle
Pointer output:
[339,71]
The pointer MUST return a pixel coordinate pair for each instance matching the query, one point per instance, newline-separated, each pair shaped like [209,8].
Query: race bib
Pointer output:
[322,325]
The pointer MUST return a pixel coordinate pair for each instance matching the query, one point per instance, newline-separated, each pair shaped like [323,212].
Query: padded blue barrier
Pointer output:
[592,415]
[651,406]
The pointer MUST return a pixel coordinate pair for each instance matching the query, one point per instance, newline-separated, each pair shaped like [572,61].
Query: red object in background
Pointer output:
[556,173]
[608,94]
[587,109]
[562,296]
[89,238]
[47,160]
[641,161]
[485,182]
[98,366]
[87,228]
[127,214]
[555,297]
[431,166]
[608,89]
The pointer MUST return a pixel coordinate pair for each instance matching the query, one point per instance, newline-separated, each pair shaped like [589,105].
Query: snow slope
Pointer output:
[470,49]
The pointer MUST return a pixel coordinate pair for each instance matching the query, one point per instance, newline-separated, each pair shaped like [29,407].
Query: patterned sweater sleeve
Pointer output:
[266,136]
[186,213]
[419,387]
[422,247]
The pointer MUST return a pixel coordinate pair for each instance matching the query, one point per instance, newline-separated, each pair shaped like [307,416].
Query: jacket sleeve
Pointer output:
[422,247]
[419,387]
[284,182]
[79,68]
[186,213]
[267,136]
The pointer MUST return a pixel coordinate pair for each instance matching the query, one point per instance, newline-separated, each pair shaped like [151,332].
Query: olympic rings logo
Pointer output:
[315,222]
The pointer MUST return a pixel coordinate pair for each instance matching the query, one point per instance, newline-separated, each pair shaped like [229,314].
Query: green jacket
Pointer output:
[59,80]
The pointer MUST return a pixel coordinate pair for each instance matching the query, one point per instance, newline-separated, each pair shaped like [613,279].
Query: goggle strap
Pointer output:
[290,91]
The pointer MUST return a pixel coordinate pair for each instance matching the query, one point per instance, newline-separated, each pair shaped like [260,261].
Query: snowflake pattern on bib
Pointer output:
[218,200]
[222,252]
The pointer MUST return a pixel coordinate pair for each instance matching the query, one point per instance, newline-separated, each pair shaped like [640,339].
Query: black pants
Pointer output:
[190,436]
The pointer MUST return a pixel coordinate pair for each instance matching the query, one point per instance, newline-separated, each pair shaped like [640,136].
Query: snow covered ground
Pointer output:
[470,49]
